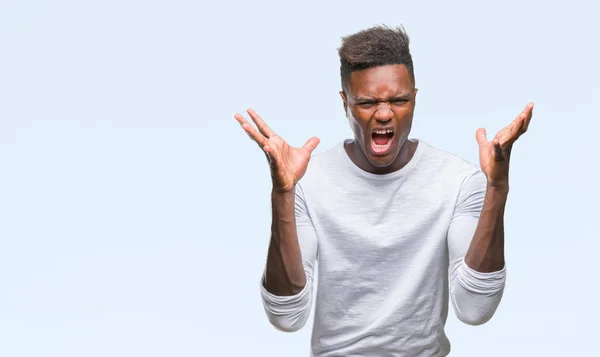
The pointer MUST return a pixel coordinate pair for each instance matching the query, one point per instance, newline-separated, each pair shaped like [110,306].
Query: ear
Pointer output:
[345,101]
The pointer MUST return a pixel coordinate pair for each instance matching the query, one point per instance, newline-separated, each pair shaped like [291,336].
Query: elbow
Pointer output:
[289,319]
[474,309]
[286,324]
[476,295]
[288,313]
[475,318]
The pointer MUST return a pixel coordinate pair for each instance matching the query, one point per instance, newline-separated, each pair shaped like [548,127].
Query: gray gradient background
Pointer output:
[134,212]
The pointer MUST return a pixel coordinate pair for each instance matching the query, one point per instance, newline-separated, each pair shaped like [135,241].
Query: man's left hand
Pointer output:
[494,156]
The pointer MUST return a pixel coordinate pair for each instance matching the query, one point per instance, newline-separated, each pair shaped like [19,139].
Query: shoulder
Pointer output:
[326,172]
[450,168]
[446,162]
[325,163]
[330,156]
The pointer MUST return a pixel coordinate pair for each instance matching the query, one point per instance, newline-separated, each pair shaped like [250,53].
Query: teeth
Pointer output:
[387,131]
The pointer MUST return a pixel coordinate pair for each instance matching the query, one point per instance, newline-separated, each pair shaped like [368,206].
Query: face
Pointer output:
[379,103]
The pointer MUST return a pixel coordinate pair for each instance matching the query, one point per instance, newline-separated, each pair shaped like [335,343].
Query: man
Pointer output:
[398,227]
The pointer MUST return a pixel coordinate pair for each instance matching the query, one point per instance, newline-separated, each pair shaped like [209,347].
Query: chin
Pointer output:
[384,157]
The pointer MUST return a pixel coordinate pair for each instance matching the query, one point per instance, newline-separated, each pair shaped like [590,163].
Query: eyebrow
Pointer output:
[369,99]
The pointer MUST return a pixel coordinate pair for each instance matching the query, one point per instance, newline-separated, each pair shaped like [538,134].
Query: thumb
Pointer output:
[311,144]
[498,154]
[481,137]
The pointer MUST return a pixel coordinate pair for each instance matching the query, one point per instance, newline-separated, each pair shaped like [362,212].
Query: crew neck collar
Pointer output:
[398,173]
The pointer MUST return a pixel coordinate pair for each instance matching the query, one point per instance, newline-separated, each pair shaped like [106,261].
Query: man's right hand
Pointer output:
[288,164]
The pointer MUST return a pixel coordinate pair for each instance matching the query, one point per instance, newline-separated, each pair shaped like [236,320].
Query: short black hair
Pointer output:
[376,46]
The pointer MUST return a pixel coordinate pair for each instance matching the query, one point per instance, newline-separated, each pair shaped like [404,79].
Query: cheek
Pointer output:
[357,126]
[404,116]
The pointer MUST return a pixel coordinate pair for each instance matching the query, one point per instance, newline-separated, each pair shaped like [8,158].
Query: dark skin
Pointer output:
[380,97]
[376,98]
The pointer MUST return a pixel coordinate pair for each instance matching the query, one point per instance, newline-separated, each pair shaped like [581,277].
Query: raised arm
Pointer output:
[486,252]
[286,295]
[477,277]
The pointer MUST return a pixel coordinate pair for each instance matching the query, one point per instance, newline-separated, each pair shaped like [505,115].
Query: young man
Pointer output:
[398,227]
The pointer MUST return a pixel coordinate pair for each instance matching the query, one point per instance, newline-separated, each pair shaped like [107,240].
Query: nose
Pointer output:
[384,113]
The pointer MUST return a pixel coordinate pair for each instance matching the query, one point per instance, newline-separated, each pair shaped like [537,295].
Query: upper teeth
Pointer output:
[387,131]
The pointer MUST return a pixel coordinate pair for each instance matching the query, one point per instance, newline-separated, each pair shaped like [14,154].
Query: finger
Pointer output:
[260,124]
[240,119]
[529,107]
[498,154]
[481,137]
[529,111]
[311,145]
[524,116]
[272,156]
[253,133]
[511,133]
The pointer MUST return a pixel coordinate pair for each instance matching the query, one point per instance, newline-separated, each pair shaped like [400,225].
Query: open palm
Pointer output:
[494,156]
[288,164]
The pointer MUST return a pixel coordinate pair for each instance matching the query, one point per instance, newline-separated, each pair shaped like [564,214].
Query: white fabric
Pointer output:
[390,252]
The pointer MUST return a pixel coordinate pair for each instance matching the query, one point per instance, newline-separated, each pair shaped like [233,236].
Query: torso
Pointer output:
[382,253]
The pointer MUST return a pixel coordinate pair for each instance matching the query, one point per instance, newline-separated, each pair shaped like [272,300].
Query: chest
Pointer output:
[382,225]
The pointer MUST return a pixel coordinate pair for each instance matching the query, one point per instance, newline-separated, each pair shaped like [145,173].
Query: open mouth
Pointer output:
[381,140]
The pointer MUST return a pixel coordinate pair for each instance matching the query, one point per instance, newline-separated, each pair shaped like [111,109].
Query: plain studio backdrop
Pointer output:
[135,213]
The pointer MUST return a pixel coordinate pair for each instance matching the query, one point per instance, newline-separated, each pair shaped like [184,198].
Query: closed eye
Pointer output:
[399,101]
[367,104]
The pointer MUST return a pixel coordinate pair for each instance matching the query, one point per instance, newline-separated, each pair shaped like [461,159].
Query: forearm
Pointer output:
[284,273]
[476,250]
[486,251]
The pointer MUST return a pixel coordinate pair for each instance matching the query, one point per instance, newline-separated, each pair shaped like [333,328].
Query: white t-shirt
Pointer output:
[390,252]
